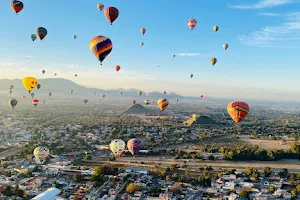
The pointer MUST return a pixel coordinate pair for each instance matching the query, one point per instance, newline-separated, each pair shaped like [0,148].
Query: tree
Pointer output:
[272,189]
[88,157]
[77,177]
[294,193]
[220,174]
[255,175]
[298,188]
[132,188]
[8,191]
[168,178]
[283,173]
[292,178]
[211,157]
[267,171]
[5,164]
[249,171]
[244,194]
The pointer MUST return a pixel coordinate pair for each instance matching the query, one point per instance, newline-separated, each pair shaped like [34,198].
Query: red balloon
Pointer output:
[111,14]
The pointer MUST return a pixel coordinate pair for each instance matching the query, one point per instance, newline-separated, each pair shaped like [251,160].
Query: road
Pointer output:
[9,152]
[276,166]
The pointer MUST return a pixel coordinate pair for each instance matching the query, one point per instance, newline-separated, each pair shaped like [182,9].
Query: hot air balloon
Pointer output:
[55,74]
[165,92]
[117,146]
[213,61]
[201,96]
[23,97]
[117,68]
[225,46]
[32,95]
[177,100]
[195,117]
[41,152]
[143,31]
[17,6]
[43,71]
[238,111]
[121,93]
[38,86]
[191,75]
[85,101]
[192,23]
[140,93]
[11,87]
[50,94]
[134,145]
[133,102]
[111,14]
[29,83]
[100,6]
[13,103]
[74,37]
[162,104]
[101,47]
[33,37]
[157,65]
[103,95]
[147,102]
[153,102]
[41,32]
[141,43]
[10,91]
[174,55]
[75,75]
[71,91]
[147,94]
[35,102]
[216,28]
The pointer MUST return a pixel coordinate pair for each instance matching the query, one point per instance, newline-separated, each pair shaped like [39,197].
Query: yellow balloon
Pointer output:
[29,83]
[194,116]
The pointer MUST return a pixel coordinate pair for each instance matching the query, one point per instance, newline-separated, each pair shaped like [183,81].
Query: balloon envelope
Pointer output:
[29,83]
[117,147]
[238,111]
[41,32]
[101,47]
[143,31]
[41,152]
[133,102]
[162,103]
[111,14]
[13,103]
[192,23]
[134,145]
[17,6]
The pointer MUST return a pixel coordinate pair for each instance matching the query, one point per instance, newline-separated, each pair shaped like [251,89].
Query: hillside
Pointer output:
[202,120]
[137,109]
[60,85]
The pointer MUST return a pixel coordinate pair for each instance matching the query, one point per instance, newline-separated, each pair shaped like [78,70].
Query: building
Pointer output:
[137,170]
[49,194]
[21,170]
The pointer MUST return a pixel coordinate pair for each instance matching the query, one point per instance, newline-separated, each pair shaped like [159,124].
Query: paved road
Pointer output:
[276,166]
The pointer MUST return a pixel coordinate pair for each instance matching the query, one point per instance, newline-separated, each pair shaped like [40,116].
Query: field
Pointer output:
[266,144]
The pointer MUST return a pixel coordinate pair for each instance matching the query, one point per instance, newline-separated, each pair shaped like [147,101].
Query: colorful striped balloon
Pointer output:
[238,111]
[101,46]
[41,32]
[162,104]
[17,6]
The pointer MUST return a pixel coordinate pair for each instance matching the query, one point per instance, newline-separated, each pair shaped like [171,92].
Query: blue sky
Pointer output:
[260,63]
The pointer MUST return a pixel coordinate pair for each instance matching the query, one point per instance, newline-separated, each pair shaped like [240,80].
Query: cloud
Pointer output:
[264,4]
[286,35]
[188,54]
[270,14]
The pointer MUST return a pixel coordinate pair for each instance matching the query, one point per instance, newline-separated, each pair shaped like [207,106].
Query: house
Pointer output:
[137,170]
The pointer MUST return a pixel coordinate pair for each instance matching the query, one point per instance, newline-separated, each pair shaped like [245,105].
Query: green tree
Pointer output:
[88,157]
[132,188]
[5,164]
[244,194]
[267,171]
[292,178]
[77,177]
[294,193]
[249,171]
[168,179]
[298,188]
[272,189]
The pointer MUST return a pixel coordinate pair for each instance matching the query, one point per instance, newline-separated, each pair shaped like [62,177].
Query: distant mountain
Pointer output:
[137,109]
[60,85]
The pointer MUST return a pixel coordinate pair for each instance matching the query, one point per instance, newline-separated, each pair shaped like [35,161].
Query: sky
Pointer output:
[260,63]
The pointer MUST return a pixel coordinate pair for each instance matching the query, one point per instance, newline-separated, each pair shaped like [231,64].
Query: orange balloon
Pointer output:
[238,111]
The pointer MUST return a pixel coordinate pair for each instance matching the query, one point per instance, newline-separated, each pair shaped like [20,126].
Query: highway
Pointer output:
[276,166]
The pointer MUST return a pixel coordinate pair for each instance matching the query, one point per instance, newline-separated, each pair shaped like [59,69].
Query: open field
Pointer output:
[266,144]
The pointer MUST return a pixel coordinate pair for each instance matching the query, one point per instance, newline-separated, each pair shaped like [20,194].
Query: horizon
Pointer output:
[246,70]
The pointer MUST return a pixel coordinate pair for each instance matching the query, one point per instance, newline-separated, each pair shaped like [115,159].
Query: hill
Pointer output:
[202,120]
[137,109]
[60,85]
